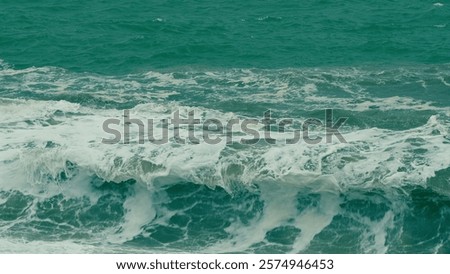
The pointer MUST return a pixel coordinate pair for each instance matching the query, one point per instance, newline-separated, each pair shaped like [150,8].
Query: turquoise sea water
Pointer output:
[66,67]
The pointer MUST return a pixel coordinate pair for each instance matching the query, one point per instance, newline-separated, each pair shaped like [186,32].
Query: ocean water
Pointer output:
[67,66]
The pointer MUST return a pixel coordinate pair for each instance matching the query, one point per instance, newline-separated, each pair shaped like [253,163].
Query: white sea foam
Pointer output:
[139,212]
[374,240]
[40,140]
[374,156]
[279,208]
[314,219]
[309,89]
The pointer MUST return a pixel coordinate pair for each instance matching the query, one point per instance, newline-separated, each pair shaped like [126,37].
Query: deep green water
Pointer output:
[67,66]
